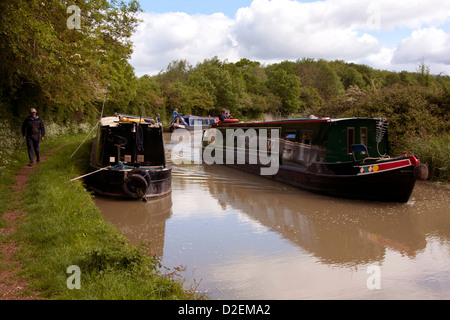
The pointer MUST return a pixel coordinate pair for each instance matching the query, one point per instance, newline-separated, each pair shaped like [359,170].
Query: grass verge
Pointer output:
[433,151]
[64,228]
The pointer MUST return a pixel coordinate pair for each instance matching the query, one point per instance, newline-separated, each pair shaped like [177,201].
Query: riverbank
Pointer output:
[59,226]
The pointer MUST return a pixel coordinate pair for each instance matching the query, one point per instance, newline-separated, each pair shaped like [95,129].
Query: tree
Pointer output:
[287,87]
[148,100]
[423,73]
[64,68]
[220,81]
[321,76]
[177,70]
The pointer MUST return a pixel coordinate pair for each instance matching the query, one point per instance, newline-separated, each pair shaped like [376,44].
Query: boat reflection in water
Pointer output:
[141,222]
[344,232]
[345,235]
[245,237]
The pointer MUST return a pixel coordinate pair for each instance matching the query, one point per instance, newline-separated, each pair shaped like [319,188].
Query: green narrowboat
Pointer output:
[128,159]
[338,157]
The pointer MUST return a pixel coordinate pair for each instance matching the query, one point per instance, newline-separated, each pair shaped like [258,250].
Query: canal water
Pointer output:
[242,236]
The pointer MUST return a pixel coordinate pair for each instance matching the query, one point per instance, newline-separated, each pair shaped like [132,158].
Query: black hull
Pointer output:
[112,183]
[390,186]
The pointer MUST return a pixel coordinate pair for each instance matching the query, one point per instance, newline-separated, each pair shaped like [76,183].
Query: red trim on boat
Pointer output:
[387,166]
[414,161]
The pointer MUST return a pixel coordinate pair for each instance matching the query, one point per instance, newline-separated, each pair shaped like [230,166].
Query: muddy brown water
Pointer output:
[241,236]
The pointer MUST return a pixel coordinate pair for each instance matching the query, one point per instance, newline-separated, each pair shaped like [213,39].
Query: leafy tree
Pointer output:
[176,71]
[216,78]
[321,76]
[287,87]
[63,68]
[348,74]
[148,100]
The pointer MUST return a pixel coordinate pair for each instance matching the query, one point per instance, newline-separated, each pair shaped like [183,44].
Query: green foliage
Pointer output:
[320,75]
[46,65]
[287,87]
[434,151]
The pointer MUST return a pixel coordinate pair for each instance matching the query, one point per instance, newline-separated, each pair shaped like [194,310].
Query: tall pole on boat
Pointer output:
[104,100]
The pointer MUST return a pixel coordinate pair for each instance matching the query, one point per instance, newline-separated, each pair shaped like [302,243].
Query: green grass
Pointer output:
[433,151]
[63,227]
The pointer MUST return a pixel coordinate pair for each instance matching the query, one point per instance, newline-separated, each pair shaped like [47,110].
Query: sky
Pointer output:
[384,34]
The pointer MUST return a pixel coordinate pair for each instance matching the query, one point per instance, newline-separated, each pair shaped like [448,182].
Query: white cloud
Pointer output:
[412,14]
[432,43]
[287,29]
[269,31]
[162,38]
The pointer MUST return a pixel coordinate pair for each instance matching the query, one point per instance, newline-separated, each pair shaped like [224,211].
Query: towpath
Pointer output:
[12,286]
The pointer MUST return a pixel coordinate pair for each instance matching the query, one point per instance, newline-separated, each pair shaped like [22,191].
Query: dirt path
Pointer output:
[12,287]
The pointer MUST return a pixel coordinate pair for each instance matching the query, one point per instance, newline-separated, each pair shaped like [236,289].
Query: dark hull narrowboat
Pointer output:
[190,122]
[128,159]
[342,157]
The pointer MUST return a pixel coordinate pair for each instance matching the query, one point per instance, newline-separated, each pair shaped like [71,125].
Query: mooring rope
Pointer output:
[84,140]
[89,174]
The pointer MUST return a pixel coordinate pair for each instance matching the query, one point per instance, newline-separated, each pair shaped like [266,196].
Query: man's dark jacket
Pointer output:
[33,127]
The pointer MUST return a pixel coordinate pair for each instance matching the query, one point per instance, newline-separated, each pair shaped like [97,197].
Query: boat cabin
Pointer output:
[131,141]
[189,122]
[304,141]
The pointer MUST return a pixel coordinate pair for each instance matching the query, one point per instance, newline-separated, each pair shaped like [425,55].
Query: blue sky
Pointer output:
[384,34]
[227,7]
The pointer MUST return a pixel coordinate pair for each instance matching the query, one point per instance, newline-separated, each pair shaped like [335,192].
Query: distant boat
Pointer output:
[339,157]
[128,158]
[189,122]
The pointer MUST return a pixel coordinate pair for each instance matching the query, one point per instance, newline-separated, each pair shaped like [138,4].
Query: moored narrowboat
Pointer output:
[189,122]
[339,157]
[128,159]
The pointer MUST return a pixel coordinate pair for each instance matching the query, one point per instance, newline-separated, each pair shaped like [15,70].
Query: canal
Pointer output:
[241,236]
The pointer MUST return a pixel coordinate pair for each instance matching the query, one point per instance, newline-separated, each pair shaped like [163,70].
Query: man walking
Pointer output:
[33,131]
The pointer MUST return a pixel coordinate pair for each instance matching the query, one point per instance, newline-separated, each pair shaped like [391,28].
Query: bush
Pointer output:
[434,151]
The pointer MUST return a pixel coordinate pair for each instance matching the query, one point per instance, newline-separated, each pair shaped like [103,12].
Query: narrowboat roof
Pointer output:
[115,120]
[310,119]
[195,117]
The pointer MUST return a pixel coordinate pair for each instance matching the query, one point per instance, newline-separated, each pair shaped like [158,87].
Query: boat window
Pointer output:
[193,122]
[304,149]
[290,135]
[306,136]
[363,136]
[350,139]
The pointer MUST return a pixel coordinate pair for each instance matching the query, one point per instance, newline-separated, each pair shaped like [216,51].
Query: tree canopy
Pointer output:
[49,63]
